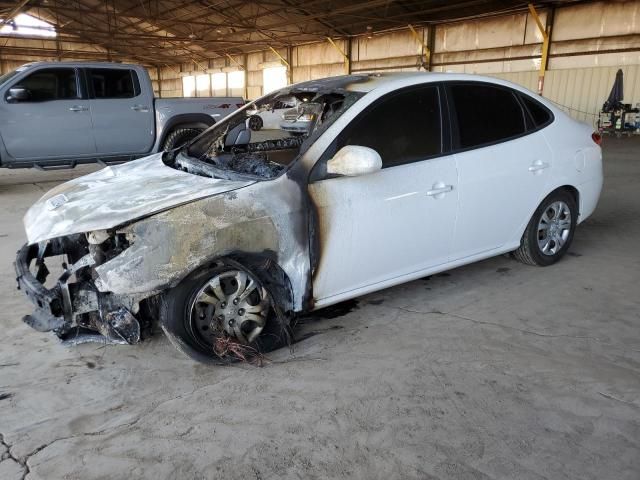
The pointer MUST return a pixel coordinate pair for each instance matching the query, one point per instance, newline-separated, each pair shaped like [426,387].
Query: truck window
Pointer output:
[50,84]
[113,83]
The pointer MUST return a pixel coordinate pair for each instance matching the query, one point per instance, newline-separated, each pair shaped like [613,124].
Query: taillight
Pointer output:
[597,138]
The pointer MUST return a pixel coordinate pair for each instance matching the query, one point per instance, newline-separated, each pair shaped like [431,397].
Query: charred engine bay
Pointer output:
[261,160]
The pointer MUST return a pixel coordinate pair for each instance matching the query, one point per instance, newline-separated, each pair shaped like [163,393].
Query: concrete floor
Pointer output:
[491,371]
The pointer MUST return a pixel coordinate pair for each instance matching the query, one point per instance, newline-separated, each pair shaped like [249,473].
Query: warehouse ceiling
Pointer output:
[161,32]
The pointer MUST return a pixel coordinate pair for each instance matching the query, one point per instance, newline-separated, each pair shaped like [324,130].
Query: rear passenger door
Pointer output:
[122,114]
[52,121]
[503,166]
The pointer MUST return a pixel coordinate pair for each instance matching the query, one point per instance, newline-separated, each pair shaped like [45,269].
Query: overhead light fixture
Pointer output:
[369,31]
[192,36]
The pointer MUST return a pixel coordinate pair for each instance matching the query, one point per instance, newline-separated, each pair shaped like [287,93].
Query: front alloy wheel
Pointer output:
[220,310]
[231,304]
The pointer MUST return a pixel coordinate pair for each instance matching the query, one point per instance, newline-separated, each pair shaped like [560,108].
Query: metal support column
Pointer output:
[426,52]
[347,59]
[544,59]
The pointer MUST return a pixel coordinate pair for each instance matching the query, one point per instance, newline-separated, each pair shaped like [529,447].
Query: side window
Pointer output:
[50,84]
[540,115]
[486,114]
[112,82]
[402,127]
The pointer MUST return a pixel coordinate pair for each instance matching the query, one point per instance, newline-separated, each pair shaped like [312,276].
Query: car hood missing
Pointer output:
[116,195]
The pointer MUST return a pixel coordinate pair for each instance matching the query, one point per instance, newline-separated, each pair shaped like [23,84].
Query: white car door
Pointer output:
[503,168]
[52,121]
[379,229]
[122,112]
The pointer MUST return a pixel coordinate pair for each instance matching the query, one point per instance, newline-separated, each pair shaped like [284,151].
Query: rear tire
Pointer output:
[550,230]
[179,137]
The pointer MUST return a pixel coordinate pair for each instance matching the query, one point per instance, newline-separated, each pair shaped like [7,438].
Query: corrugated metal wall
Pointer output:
[590,42]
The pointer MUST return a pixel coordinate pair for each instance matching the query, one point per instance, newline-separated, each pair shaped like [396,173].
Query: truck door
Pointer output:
[122,111]
[46,116]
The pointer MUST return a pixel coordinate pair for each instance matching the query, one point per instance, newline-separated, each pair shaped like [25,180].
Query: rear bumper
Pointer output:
[589,196]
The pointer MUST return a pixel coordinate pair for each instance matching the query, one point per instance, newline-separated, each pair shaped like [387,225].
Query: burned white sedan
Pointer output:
[228,238]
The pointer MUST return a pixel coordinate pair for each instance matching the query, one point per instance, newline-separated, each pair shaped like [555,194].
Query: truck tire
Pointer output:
[179,137]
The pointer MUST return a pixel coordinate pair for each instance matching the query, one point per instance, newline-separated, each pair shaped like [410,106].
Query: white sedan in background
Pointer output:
[268,117]
[226,240]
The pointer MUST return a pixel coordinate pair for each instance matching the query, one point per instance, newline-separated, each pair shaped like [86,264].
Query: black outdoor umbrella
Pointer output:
[615,97]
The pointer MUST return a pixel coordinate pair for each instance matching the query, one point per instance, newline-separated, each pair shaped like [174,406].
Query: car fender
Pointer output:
[266,219]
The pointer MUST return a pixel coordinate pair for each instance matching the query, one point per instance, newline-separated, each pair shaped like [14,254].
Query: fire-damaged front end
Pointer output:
[109,252]
[72,303]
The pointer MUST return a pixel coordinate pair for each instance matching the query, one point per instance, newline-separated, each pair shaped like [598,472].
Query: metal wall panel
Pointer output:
[503,31]
[597,19]
[388,45]
[318,53]
[582,91]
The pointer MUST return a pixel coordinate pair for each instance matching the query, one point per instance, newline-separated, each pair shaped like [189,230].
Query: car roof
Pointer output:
[79,64]
[367,82]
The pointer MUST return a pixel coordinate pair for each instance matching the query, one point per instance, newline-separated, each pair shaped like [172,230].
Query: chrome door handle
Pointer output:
[538,165]
[78,108]
[439,190]
[140,108]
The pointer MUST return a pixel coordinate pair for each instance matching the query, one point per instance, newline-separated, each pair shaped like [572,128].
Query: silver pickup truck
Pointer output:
[55,114]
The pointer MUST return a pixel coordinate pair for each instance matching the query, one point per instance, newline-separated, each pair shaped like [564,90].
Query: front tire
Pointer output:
[550,230]
[213,306]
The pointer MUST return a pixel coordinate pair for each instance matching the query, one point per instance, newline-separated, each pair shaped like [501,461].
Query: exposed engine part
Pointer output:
[252,163]
[74,301]
[121,323]
[279,144]
[97,237]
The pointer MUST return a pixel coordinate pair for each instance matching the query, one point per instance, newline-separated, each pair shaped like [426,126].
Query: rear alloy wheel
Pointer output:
[554,228]
[550,231]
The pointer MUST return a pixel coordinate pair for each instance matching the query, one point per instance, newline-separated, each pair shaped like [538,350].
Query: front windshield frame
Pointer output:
[193,152]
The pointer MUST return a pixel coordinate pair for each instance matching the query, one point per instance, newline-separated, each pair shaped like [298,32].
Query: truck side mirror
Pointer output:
[354,160]
[18,94]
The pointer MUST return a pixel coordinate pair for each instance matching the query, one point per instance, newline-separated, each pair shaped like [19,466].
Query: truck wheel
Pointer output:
[179,137]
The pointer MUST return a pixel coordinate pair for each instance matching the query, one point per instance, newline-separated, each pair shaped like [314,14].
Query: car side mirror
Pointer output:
[354,160]
[18,94]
